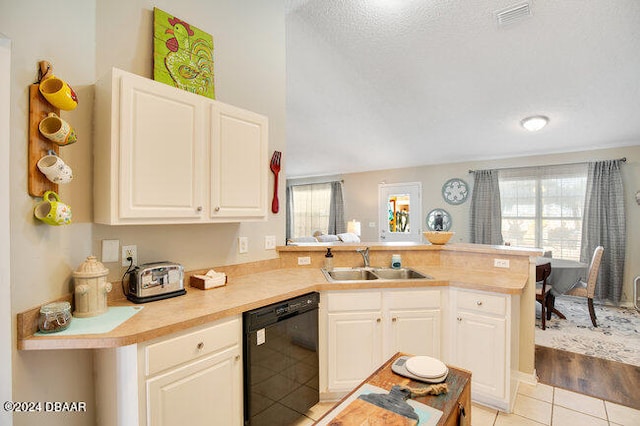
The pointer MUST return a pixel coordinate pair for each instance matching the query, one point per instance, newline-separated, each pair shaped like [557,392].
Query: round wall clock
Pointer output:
[455,191]
[437,216]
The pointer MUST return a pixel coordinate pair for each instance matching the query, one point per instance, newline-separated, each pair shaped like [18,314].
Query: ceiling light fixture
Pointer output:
[535,123]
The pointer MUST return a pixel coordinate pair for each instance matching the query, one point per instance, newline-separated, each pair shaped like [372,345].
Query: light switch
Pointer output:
[270,242]
[110,250]
[243,245]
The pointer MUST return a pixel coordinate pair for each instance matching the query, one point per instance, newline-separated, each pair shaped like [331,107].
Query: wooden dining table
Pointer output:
[565,274]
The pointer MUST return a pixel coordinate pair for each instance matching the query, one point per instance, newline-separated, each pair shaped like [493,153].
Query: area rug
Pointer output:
[617,337]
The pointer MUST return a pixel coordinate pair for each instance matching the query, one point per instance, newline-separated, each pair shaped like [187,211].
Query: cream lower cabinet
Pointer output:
[481,341]
[413,322]
[365,327]
[193,377]
[164,156]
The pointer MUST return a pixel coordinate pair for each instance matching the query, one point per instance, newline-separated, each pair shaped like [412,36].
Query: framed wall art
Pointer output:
[182,55]
[455,191]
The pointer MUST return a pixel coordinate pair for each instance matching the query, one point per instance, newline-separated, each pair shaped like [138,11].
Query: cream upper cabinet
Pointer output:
[238,163]
[163,155]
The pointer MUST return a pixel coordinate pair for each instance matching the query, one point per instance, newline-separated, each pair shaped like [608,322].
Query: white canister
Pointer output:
[91,288]
[396,261]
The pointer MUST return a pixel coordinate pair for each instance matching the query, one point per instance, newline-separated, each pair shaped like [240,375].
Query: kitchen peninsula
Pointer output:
[467,299]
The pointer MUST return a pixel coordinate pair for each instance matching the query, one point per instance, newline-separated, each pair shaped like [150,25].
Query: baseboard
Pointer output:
[332,396]
[528,378]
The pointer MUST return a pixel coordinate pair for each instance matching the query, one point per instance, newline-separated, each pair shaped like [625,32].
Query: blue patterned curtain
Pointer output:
[337,225]
[603,224]
[486,213]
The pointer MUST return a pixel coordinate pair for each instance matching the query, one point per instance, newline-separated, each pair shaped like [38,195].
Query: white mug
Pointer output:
[55,169]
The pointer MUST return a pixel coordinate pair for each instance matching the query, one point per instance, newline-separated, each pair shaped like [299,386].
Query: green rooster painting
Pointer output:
[183,55]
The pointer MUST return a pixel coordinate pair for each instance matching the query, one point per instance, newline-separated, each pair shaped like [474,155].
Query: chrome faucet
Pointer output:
[365,255]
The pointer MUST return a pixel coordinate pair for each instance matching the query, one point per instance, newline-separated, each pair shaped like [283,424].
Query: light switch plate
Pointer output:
[270,242]
[243,245]
[110,250]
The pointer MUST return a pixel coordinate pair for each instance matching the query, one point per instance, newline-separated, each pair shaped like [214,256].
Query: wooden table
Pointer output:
[564,275]
[452,404]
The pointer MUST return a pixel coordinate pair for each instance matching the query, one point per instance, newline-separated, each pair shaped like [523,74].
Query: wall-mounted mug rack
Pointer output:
[39,108]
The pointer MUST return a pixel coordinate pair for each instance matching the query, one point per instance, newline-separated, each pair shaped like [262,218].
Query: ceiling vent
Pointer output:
[513,14]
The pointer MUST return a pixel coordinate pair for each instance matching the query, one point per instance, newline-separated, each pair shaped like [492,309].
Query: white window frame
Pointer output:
[538,174]
[312,229]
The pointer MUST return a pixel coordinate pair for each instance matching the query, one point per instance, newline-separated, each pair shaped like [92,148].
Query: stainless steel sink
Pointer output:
[400,274]
[367,274]
[339,274]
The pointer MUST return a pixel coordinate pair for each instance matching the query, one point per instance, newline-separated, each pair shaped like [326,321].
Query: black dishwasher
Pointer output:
[281,361]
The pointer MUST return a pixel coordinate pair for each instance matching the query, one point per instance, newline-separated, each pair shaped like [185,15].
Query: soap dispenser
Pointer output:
[328,260]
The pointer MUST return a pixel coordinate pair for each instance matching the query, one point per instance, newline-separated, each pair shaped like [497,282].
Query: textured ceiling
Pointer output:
[377,84]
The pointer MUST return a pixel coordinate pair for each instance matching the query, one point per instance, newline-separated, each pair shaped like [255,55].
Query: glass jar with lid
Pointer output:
[54,317]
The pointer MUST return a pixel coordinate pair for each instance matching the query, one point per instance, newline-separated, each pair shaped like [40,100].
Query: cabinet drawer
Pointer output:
[482,302]
[186,347]
[354,301]
[413,299]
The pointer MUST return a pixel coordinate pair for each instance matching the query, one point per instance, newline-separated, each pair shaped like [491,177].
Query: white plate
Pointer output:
[427,367]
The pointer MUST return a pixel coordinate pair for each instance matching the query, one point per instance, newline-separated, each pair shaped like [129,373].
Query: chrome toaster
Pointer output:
[155,281]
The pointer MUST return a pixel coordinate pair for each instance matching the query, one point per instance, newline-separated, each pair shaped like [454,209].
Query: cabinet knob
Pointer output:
[237,358]
[459,319]
[394,319]
[200,345]
[217,209]
[479,303]
[199,209]
[379,320]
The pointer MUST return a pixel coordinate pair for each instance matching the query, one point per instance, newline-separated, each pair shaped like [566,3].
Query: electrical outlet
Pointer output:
[304,260]
[372,224]
[129,251]
[270,242]
[501,263]
[243,245]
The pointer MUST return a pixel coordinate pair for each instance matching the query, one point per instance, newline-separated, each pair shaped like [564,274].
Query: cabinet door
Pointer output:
[354,348]
[239,163]
[415,332]
[160,158]
[480,347]
[205,393]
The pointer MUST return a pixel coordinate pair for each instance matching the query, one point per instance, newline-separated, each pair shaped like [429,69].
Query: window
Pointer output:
[543,206]
[311,209]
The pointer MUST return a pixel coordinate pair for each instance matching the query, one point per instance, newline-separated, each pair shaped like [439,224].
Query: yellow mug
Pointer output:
[53,212]
[58,93]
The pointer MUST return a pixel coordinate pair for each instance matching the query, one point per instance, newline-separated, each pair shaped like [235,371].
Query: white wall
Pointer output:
[82,39]
[249,69]
[43,257]
[361,195]
[5,277]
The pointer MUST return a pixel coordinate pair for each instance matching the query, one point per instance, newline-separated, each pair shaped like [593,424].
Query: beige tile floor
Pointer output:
[534,406]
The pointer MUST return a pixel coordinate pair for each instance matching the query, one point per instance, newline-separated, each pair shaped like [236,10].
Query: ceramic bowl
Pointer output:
[438,237]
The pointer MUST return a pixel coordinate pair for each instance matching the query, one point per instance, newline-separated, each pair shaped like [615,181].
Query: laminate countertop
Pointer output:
[244,293]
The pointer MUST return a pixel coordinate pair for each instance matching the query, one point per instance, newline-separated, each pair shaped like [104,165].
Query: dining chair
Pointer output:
[542,290]
[588,289]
